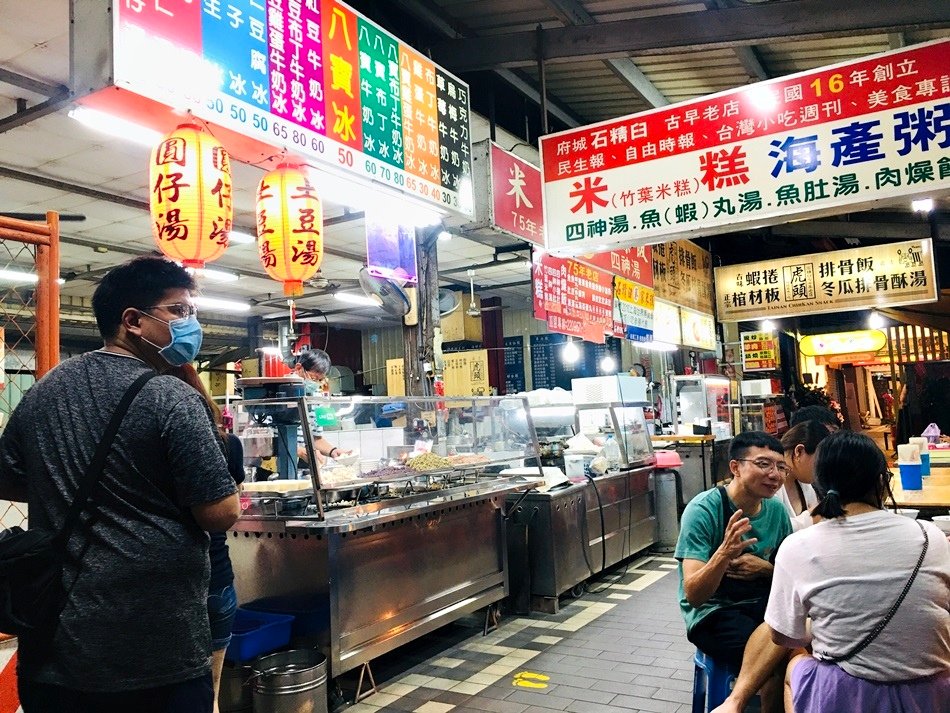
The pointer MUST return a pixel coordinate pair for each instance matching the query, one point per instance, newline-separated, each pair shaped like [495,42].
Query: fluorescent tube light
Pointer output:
[216,275]
[218,305]
[355,299]
[114,126]
[924,205]
[16,277]
[657,346]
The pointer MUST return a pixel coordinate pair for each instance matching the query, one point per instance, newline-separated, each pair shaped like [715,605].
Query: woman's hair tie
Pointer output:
[832,491]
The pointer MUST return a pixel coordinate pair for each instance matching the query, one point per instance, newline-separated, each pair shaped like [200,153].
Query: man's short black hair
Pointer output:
[753,439]
[815,413]
[315,361]
[140,282]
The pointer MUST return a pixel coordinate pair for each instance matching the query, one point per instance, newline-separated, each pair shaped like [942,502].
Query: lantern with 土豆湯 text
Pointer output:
[289,227]
[190,196]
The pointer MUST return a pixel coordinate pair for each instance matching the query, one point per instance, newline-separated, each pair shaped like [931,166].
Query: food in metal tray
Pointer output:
[464,459]
[429,461]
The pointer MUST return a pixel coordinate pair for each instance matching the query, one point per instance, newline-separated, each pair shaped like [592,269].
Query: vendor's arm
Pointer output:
[323,447]
[702,579]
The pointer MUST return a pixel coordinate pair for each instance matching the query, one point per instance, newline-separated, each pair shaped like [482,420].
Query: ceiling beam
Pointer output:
[748,56]
[693,31]
[29,84]
[572,12]
[452,29]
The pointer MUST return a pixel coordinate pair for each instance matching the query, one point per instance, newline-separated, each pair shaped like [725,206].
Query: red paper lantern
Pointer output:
[190,196]
[289,227]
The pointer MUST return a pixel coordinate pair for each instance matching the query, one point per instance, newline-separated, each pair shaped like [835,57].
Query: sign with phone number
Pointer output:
[312,77]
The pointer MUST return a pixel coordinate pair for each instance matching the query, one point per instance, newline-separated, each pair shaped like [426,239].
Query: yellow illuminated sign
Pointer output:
[860,341]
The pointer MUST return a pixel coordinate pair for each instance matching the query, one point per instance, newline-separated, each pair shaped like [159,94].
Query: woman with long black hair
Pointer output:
[876,587]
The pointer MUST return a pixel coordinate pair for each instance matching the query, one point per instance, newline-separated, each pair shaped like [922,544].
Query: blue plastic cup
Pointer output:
[925,464]
[911,476]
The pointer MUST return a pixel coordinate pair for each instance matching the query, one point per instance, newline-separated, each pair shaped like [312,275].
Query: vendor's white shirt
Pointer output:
[803,519]
[845,574]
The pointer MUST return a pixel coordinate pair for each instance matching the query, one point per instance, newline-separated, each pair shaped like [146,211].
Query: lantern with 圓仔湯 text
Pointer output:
[289,227]
[190,196]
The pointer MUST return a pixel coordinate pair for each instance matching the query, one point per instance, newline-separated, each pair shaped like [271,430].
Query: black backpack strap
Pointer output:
[726,511]
[91,477]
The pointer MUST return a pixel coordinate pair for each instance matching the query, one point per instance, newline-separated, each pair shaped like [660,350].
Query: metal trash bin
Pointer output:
[234,695]
[290,682]
[669,496]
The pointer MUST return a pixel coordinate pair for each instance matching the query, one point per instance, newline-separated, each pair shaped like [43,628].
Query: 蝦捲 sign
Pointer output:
[840,281]
[313,77]
[760,351]
[803,145]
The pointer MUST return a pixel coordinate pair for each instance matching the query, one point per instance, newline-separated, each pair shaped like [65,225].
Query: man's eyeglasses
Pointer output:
[179,309]
[766,465]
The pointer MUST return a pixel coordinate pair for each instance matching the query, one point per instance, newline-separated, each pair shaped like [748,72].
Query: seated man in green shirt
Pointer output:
[726,547]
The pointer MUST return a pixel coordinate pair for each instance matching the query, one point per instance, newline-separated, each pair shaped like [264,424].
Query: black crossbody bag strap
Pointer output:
[91,477]
[890,614]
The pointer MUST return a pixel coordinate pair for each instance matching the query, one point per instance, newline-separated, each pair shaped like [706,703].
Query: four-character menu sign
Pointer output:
[800,146]
[311,76]
[838,281]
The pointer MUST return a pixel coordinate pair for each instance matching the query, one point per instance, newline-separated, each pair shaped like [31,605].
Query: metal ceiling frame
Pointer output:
[707,29]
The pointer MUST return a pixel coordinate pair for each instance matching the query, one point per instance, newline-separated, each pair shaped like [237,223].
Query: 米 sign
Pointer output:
[516,196]
[311,76]
[840,281]
[800,146]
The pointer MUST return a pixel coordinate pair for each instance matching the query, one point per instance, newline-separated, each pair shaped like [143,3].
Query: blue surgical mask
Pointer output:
[186,340]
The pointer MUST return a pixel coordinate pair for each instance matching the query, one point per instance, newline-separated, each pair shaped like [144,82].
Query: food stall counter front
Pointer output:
[408,550]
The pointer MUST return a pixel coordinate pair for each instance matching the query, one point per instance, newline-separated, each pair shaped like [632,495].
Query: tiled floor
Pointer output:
[622,648]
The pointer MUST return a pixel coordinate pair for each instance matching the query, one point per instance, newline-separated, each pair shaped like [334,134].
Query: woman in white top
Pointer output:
[798,496]
[876,587]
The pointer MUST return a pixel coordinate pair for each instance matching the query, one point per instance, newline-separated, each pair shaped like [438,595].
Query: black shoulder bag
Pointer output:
[32,593]
[866,641]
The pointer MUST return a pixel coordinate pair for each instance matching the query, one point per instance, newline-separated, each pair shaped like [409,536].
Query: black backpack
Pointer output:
[32,593]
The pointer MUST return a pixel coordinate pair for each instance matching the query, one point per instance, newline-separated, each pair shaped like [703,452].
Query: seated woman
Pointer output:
[876,587]
[798,496]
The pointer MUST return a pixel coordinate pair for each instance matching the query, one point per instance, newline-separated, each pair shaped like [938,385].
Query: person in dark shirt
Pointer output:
[134,634]
[222,598]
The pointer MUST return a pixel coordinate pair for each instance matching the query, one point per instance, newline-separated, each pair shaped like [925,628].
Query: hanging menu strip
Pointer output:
[313,77]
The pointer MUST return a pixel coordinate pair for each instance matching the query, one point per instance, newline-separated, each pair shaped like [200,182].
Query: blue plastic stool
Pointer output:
[712,682]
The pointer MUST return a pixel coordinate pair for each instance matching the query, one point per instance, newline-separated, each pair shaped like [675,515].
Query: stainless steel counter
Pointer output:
[556,540]
[381,574]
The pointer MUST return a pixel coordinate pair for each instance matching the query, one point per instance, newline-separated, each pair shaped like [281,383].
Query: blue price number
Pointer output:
[280,131]
[317,145]
[259,122]
[385,173]
[239,113]
[371,168]
[399,179]
[216,105]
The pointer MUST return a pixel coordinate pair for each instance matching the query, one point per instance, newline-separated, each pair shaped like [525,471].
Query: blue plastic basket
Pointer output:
[257,632]
[311,613]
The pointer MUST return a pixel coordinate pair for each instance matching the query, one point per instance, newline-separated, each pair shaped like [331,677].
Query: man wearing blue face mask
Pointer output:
[134,633]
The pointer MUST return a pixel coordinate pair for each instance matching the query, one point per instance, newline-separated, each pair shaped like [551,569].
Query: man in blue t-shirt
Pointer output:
[726,547]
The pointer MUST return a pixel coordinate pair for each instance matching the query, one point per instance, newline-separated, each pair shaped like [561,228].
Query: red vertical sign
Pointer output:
[516,196]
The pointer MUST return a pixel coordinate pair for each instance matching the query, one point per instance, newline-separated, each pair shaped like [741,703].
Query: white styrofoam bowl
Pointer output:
[943,522]
[908,512]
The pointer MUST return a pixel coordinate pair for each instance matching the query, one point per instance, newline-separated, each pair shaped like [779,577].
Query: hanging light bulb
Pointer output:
[876,320]
[608,364]
[570,353]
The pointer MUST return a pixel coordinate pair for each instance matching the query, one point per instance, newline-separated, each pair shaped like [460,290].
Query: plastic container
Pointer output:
[911,477]
[612,454]
[311,615]
[257,632]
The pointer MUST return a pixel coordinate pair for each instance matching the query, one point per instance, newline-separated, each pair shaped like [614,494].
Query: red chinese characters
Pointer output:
[190,200]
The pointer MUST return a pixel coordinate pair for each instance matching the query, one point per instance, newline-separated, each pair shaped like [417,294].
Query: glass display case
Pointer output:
[613,406]
[702,405]
[394,446]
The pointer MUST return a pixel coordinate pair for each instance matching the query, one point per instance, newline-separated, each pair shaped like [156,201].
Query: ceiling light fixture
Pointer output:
[239,238]
[608,364]
[16,277]
[216,304]
[923,205]
[876,320]
[114,126]
[655,346]
[216,275]
[445,236]
[355,299]
[570,353]
[767,325]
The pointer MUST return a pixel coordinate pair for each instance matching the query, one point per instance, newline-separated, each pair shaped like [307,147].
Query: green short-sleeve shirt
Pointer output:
[701,532]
